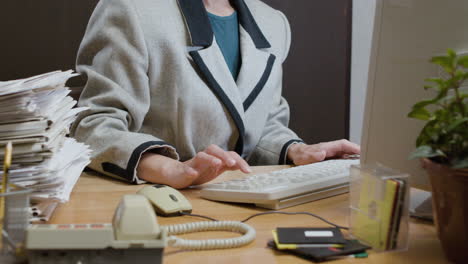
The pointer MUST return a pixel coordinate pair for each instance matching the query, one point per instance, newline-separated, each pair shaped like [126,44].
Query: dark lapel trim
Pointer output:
[259,87]
[214,86]
[248,22]
[283,158]
[197,21]
[128,173]
[199,25]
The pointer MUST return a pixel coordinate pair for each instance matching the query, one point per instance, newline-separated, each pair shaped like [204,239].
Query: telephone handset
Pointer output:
[135,219]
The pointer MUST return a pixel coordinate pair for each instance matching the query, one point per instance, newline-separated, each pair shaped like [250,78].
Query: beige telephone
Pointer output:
[135,225]
[133,236]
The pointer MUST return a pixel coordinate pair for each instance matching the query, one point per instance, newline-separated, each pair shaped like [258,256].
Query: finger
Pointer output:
[345,147]
[351,148]
[339,148]
[208,167]
[208,176]
[242,164]
[203,161]
[218,152]
[310,156]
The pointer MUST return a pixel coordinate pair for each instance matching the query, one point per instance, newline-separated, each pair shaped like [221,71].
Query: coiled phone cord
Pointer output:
[230,226]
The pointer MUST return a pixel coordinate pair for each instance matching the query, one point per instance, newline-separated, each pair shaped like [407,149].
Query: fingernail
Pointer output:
[231,162]
[249,170]
[216,162]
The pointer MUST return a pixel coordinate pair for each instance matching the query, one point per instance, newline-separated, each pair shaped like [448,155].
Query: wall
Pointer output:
[41,36]
[317,70]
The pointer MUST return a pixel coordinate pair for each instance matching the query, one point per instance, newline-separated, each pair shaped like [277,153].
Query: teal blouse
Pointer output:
[226,31]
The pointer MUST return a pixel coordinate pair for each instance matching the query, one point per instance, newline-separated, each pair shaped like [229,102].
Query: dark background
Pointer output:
[41,36]
[317,72]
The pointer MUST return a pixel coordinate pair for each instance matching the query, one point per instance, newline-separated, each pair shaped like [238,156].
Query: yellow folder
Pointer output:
[377,203]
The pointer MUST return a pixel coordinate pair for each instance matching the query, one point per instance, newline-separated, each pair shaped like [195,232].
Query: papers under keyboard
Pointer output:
[287,187]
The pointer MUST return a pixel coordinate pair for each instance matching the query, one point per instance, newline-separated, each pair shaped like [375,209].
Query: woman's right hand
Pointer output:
[202,168]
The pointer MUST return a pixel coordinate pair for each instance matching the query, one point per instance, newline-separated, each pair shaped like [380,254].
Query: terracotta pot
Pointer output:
[450,201]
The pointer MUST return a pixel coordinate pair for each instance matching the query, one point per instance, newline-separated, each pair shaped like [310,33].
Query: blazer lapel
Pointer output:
[213,59]
[255,69]
[257,63]
[197,22]
[219,79]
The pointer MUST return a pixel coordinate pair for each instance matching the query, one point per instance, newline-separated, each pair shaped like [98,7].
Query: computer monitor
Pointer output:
[407,33]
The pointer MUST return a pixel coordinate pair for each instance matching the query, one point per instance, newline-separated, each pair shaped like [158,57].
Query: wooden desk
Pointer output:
[95,198]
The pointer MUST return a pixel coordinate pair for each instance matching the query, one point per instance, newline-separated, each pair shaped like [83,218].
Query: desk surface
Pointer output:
[95,198]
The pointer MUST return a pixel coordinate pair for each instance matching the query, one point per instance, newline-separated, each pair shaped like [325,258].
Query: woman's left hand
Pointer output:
[301,154]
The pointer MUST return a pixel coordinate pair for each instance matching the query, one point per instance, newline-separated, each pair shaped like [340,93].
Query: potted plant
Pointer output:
[443,147]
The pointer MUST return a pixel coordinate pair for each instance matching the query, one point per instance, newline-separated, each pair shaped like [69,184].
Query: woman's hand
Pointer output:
[301,154]
[204,167]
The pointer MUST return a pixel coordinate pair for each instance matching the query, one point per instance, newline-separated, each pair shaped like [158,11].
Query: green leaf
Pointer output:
[460,163]
[463,61]
[438,81]
[420,113]
[428,133]
[443,61]
[427,87]
[441,86]
[451,53]
[442,93]
[460,75]
[424,103]
[425,152]
[422,139]
[447,99]
[457,123]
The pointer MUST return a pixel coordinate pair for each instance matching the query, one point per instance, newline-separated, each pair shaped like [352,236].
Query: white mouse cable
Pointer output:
[232,226]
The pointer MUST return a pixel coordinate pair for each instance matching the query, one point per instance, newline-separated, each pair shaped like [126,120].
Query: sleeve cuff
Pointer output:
[165,150]
[283,158]
[129,173]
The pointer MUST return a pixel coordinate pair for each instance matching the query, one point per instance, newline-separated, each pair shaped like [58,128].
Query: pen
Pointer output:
[6,166]
[4,189]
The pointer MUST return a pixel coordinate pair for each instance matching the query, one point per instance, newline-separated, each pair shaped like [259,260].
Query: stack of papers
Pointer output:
[35,115]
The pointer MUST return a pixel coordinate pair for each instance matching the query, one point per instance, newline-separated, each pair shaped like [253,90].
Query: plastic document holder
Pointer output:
[379,199]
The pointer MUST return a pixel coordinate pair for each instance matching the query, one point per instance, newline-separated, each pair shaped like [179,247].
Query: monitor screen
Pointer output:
[407,33]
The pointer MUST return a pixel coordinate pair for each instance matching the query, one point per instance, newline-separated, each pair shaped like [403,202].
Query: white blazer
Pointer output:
[157,81]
